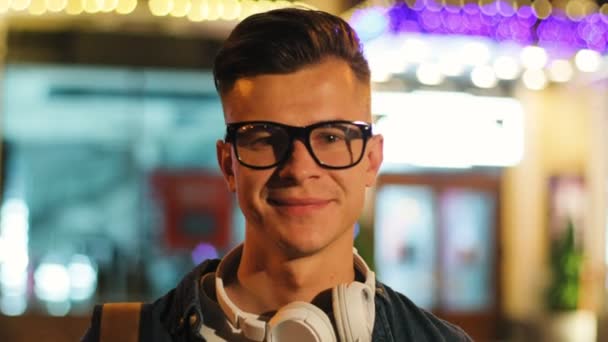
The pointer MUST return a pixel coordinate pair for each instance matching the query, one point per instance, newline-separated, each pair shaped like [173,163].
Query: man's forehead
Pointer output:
[316,88]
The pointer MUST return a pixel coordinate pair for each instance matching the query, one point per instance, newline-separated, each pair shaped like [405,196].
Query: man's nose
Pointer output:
[300,164]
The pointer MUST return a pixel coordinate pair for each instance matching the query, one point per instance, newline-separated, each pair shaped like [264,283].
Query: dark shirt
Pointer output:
[178,315]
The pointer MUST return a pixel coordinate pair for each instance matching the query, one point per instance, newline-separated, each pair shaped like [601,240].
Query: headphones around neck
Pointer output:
[353,306]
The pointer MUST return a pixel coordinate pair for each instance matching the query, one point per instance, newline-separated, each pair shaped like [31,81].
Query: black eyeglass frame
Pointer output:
[299,133]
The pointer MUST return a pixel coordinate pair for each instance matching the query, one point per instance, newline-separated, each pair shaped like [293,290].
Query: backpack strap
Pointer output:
[120,322]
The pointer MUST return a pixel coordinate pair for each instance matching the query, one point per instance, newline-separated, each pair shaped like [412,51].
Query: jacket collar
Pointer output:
[183,307]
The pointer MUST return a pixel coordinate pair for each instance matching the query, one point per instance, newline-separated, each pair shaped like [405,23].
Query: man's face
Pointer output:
[298,205]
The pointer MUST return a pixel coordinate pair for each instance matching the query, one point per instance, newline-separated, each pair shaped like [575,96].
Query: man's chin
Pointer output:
[295,249]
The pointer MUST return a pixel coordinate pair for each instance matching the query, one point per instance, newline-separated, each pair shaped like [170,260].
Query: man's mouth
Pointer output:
[298,206]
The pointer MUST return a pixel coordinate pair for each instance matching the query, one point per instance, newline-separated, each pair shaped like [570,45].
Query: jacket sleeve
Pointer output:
[92,333]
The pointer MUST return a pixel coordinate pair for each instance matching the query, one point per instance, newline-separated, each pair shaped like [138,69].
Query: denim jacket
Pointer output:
[178,316]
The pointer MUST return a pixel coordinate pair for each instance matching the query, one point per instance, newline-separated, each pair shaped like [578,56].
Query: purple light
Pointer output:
[526,12]
[453,22]
[548,30]
[603,18]
[591,32]
[357,229]
[503,31]
[410,26]
[499,20]
[430,20]
[520,32]
[489,8]
[504,8]
[369,23]
[598,44]
[470,8]
[434,6]
[418,5]
[452,8]
[400,17]
[202,252]
[473,23]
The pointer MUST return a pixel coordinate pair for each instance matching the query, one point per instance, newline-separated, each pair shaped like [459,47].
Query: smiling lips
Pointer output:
[298,206]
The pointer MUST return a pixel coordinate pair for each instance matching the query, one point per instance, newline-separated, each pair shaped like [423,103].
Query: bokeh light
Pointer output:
[534,79]
[429,74]
[483,77]
[560,70]
[506,68]
[588,60]
[533,57]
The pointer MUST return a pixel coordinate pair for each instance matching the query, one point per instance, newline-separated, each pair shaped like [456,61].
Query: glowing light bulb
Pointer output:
[74,7]
[126,6]
[108,5]
[542,8]
[160,8]
[20,5]
[475,53]
[180,8]
[429,74]
[560,70]
[37,7]
[483,77]
[5,5]
[534,79]
[232,10]
[533,57]
[506,68]
[588,60]
[56,5]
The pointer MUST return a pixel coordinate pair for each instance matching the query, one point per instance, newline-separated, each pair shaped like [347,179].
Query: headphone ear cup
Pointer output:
[354,311]
[300,322]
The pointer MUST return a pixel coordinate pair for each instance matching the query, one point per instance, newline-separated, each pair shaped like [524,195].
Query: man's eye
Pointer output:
[330,138]
[255,140]
[333,138]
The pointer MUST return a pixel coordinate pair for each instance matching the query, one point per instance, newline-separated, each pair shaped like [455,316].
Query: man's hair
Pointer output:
[285,40]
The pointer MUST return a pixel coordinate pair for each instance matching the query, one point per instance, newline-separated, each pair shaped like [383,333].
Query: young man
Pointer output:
[299,153]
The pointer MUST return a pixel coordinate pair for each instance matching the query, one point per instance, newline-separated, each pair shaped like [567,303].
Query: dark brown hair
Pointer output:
[283,41]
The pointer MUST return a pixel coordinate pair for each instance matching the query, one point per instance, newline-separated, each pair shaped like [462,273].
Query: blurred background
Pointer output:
[490,210]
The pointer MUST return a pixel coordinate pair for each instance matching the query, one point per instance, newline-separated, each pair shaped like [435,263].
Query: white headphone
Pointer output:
[353,309]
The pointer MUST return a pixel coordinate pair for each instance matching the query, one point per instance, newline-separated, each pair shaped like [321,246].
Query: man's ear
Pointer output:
[375,155]
[224,160]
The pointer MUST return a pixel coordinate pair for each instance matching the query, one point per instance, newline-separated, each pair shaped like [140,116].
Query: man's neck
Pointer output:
[266,281]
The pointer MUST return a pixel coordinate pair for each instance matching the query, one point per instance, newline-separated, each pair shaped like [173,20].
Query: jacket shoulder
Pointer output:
[408,322]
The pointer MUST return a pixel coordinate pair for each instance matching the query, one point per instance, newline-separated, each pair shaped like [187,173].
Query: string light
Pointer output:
[92,6]
[126,6]
[560,70]
[20,5]
[483,77]
[160,8]
[232,10]
[588,60]
[56,5]
[195,14]
[37,7]
[429,74]
[108,6]
[180,8]
[506,68]
[533,57]
[216,9]
[74,7]
[534,79]
[5,5]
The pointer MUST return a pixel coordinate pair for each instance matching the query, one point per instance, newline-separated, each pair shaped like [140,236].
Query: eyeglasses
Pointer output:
[332,144]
